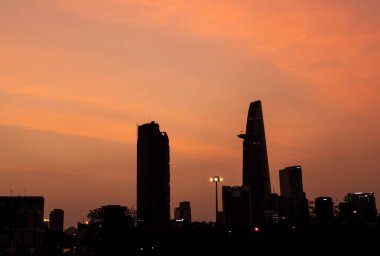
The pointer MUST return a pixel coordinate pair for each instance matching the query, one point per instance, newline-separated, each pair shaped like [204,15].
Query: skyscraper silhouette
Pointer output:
[153,176]
[324,210]
[255,162]
[291,182]
[292,190]
[56,218]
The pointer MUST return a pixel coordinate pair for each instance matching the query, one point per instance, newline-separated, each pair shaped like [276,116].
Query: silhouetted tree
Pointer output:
[110,228]
[113,216]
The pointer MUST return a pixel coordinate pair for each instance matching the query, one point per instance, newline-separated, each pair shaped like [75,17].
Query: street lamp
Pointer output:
[216,180]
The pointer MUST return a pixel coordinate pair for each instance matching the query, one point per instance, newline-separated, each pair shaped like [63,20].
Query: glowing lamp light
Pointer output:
[216,179]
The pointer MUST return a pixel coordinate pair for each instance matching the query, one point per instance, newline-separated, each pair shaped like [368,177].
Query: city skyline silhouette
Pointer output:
[153,151]
[77,79]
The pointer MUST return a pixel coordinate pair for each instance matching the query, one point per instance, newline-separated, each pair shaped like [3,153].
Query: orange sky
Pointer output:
[76,77]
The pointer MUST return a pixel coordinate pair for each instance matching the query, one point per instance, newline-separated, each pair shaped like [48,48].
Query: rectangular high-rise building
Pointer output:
[255,162]
[292,190]
[153,174]
[56,218]
[291,182]
[324,210]
[236,206]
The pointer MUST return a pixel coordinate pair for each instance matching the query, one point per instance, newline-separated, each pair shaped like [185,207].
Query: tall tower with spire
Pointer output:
[255,162]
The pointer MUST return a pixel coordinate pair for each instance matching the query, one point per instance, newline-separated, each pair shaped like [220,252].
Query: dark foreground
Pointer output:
[203,238]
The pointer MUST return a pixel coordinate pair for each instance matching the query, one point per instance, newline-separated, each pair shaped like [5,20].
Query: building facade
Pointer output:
[153,174]
[21,222]
[275,209]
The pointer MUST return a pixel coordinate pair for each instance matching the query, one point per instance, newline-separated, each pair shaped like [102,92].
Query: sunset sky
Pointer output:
[77,77]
